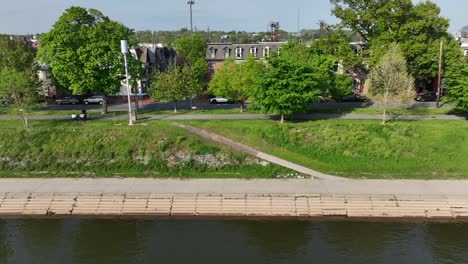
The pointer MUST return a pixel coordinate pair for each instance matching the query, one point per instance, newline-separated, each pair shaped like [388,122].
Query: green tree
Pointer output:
[83,51]
[172,85]
[456,81]
[21,90]
[389,83]
[18,77]
[191,51]
[17,55]
[292,80]
[235,80]
[343,87]
[417,28]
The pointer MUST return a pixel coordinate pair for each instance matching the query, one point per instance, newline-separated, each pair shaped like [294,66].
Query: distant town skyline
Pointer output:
[32,16]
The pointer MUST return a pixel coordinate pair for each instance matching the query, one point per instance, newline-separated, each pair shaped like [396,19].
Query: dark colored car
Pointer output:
[67,100]
[354,98]
[426,97]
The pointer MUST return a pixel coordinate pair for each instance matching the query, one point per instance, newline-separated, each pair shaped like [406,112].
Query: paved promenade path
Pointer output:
[248,117]
[234,198]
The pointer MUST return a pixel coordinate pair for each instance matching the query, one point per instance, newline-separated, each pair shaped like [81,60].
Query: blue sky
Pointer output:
[37,16]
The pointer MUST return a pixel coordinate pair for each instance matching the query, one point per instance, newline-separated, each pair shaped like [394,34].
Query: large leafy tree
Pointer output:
[236,80]
[457,84]
[18,77]
[83,51]
[417,28]
[292,80]
[389,83]
[191,51]
[172,85]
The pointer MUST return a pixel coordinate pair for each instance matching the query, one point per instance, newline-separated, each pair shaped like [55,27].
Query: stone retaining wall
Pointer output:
[152,205]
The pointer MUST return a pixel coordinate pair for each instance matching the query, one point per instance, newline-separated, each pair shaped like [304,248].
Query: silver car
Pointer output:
[95,99]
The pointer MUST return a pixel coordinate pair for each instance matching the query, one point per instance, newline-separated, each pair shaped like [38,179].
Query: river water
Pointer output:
[183,241]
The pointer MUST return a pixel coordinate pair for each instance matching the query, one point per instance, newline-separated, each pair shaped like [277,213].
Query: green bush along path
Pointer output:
[113,149]
[359,148]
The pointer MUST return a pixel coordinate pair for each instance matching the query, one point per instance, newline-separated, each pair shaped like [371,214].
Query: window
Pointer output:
[212,68]
[227,53]
[266,52]
[212,53]
[239,52]
[253,51]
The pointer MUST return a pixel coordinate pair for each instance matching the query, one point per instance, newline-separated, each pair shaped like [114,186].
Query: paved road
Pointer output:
[238,186]
[250,117]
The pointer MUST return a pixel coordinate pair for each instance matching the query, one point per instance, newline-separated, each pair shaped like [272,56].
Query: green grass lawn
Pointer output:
[105,148]
[374,111]
[359,148]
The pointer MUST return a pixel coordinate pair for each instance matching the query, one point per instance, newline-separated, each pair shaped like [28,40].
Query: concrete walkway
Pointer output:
[238,186]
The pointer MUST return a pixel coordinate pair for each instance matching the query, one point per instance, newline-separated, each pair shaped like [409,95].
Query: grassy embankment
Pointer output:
[113,149]
[359,148]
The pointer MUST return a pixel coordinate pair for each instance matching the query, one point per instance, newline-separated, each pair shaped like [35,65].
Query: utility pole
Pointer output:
[124,47]
[191,3]
[439,81]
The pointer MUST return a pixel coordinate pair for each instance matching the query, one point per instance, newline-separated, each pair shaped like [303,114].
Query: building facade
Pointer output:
[154,57]
[217,53]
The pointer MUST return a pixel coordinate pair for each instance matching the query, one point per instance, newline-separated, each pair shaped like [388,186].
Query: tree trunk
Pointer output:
[104,104]
[25,121]
[241,106]
[282,119]
[175,106]
[384,116]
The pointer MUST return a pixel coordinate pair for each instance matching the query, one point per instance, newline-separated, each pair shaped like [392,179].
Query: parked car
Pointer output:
[95,99]
[354,98]
[67,100]
[220,100]
[427,96]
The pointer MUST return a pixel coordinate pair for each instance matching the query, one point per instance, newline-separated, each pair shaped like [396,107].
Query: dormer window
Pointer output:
[253,51]
[227,53]
[266,52]
[212,53]
[239,52]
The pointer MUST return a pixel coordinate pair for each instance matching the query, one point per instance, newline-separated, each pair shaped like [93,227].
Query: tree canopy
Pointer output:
[292,80]
[236,80]
[389,84]
[18,77]
[457,84]
[173,85]
[83,51]
[418,29]
[191,50]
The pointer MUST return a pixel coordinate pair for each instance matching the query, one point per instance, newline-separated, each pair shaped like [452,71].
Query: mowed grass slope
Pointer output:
[359,148]
[112,148]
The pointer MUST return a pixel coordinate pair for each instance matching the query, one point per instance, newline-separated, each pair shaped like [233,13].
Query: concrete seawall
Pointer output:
[238,206]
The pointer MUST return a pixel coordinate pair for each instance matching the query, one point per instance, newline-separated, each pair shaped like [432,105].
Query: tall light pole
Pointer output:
[191,3]
[439,79]
[124,47]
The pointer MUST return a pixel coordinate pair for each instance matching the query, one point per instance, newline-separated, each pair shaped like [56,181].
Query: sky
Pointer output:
[38,16]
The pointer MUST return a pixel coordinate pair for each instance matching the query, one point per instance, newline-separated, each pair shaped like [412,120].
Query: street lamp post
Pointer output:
[191,3]
[124,47]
